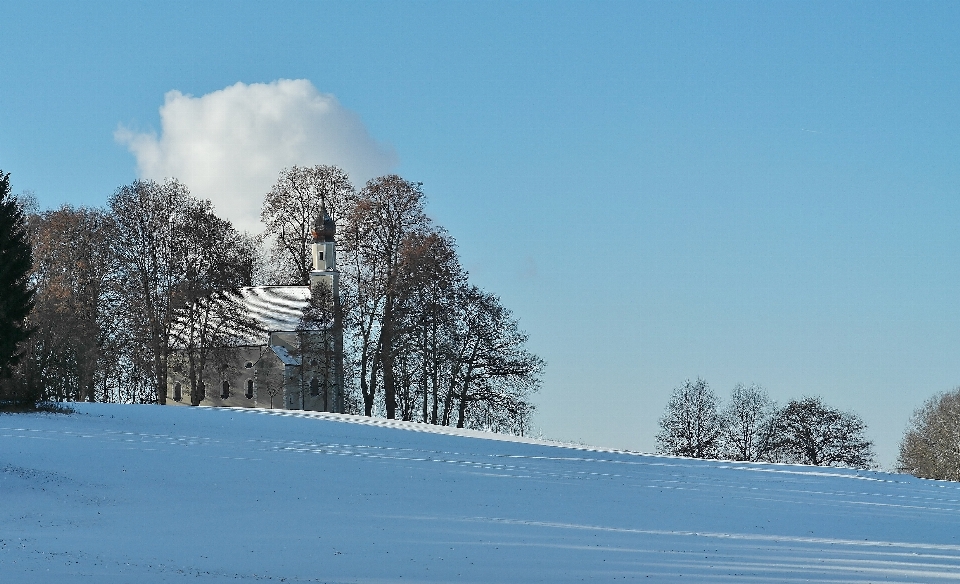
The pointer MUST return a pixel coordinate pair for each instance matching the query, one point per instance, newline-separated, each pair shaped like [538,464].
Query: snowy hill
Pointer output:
[119,493]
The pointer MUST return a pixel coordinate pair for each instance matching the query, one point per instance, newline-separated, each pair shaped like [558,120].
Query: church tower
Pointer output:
[324,250]
[325,275]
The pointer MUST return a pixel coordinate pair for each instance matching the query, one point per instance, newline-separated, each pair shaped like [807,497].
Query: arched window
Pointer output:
[314,387]
[177,392]
[225,389]
[249,389]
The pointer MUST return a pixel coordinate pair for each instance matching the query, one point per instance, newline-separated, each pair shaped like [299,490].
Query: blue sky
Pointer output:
[746,192]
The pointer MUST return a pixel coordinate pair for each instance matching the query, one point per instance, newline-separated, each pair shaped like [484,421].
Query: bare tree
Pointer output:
[361,295]
[388,211]
[217,262]
[459,357]
[807,431]
[492,373]
[317,336]
[747,423]
[289,210]
[422,343]
[930,448]
[271,376]
[428,309]
[150,218]
[691,425]
[74,344]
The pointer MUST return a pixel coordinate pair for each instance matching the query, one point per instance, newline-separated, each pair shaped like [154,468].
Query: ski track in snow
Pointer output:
[161,494]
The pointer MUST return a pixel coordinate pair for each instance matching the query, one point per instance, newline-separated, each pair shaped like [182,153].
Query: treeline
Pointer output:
[114,287]
[109,285]
[751,427]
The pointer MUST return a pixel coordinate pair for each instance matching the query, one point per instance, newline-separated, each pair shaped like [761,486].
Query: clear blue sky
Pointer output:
[747,192]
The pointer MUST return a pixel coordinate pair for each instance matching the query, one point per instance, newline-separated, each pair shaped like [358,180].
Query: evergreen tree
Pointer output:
[16,295]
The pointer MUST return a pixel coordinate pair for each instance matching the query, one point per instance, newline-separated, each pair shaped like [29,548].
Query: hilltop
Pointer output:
[121,493]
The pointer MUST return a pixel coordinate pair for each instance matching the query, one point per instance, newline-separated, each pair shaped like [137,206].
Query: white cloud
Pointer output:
[230,145]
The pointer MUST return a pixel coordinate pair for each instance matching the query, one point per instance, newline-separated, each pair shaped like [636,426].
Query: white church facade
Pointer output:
[280,365]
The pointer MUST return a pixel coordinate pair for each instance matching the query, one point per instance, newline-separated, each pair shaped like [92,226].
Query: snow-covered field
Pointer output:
[160,494]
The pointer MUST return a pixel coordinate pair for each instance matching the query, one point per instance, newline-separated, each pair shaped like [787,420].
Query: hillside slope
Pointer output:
[150,494]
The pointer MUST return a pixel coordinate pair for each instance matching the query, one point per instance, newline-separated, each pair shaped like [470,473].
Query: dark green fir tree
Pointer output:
[16,294]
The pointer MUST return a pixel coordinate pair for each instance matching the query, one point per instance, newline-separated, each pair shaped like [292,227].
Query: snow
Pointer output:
[273,308]
[120,493]
[284,355]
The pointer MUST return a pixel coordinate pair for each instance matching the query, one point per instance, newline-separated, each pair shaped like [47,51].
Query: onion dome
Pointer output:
[324,228]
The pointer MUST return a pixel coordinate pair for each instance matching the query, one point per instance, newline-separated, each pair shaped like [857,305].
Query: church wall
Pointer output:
[316,391]
[275,384]
[319,378]
[298,392]
[228,365]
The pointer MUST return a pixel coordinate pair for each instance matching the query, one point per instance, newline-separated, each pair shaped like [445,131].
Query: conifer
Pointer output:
[16,294]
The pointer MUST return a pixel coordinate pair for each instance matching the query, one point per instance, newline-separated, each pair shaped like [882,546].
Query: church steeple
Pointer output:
[324,246]
[326,275]
[324,227]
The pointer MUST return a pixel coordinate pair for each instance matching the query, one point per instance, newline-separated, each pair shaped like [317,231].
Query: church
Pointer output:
[280,365]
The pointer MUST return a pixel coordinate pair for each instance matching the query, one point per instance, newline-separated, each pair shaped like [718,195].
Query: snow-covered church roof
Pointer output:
[272,309]
[276,308]
[285,356]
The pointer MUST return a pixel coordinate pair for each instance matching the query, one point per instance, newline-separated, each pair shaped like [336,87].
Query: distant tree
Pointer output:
[808,432]
[747,423]
[289,210]
[16,292]
[691,425]
[931,445]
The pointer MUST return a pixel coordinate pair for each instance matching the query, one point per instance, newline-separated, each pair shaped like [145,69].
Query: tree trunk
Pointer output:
[160,370]
[386,357]
[338,405]
[194,391]
[424,386]
[435,381]
[372,387]
[464,399]
[448,403]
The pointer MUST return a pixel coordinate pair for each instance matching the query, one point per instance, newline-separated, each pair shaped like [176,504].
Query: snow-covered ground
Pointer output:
[119,493]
